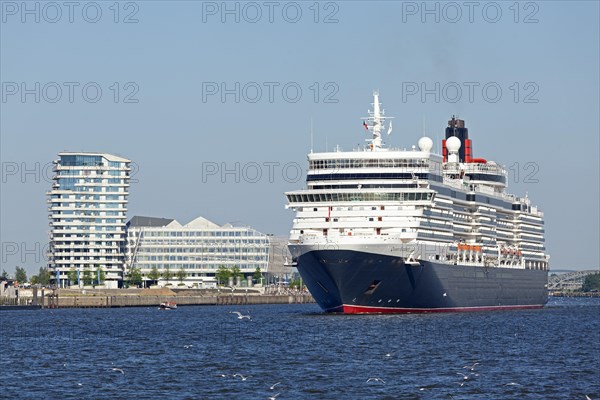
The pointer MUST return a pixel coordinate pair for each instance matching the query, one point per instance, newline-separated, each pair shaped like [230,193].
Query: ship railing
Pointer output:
[475,167]
[462,184]
[457,183]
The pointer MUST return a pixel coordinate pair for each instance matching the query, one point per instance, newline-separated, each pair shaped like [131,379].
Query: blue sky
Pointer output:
[544,126]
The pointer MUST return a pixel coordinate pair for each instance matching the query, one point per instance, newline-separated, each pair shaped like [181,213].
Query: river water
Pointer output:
[552,353]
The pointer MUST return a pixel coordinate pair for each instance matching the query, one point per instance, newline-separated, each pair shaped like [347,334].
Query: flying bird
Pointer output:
[242,377]
[273,386]
[471,367]
[274,396]
[239,314]
[465,377]
[119,370]
[375,380]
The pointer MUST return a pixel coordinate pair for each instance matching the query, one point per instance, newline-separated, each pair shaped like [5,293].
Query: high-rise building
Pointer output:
[87,211]
[191,254]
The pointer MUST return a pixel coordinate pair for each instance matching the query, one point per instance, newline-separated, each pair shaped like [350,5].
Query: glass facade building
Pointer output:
[87,211]
[198,248]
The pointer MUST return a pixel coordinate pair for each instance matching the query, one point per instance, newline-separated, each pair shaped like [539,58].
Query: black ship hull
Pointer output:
[358,282]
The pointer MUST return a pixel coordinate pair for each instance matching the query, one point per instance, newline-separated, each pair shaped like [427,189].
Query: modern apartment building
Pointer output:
[87,211]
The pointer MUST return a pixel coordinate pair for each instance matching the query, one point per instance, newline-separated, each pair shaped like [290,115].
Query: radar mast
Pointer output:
[375,123]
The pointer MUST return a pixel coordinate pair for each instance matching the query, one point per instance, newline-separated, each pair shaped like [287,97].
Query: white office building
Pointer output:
[198,248]
[87,211]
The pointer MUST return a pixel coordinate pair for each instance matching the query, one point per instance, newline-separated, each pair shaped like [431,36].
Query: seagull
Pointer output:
[222,375]
[465,377]
[119,370]
[239,314]
[388,355]
[471,367]
[242,376]
[273,387]
[375,380]
[512,384]
[274,396]
[187,346]
[587,397]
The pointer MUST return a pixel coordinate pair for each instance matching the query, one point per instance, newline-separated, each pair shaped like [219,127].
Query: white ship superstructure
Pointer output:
[415,205]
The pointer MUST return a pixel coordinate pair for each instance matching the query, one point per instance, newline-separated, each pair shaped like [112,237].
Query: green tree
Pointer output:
[43,276]
[135,277]
[167,274]
[99,275]
[257,276]
[235,271]
[154,274]
[181,274]
[296,283]
[73,276]
[4,275]
[222,274]
[87,277]
[591,282]
[20,275]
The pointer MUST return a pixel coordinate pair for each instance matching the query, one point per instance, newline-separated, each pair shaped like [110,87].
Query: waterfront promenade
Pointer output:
[112,298]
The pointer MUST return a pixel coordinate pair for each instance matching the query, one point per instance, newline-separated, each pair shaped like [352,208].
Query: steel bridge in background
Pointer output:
[569,281]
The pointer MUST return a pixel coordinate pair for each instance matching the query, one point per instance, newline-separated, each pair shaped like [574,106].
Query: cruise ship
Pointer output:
[385,230]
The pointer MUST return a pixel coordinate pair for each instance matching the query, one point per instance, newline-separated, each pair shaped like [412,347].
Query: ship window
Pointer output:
[370,219]
[382,208]
[373,208]
[315,209]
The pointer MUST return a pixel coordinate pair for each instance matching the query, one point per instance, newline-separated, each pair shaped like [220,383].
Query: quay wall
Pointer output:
[154,301]
[87,298]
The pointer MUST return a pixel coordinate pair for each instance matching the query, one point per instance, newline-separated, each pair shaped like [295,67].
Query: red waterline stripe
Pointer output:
[350,309]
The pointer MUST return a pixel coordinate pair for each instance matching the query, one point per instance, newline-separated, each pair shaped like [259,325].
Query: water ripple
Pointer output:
[77,354]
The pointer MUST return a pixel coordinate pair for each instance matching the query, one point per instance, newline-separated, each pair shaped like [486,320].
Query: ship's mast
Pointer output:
[375,123]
